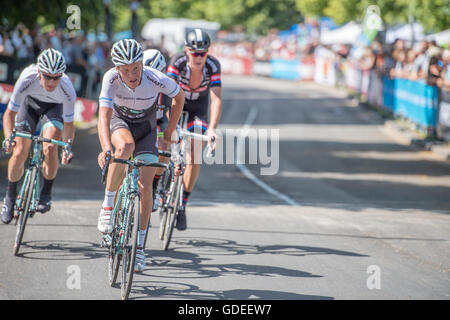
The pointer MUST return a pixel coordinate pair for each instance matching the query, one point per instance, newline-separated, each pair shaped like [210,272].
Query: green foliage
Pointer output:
[255,16]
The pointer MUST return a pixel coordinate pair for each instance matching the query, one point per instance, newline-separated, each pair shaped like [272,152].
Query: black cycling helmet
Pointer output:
[197,39]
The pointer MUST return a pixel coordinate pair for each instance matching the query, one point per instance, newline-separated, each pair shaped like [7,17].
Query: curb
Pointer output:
[404,135]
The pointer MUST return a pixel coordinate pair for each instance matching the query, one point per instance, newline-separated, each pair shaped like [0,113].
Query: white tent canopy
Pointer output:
[405,32]
[174,29]
[441,38]
[347,34]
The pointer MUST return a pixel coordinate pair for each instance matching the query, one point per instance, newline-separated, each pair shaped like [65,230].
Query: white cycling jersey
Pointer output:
[29,84]
[116,93]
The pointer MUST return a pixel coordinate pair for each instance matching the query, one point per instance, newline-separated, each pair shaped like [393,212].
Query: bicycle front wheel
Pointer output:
[131,234]
[24,212]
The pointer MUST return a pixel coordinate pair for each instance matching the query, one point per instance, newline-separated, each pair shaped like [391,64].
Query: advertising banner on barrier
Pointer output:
[85,109]
[5,93]
[324,72]
[284,69]
[307,68]
[262,68]
[388,93]
[238,66]
[444,116]
[416,101]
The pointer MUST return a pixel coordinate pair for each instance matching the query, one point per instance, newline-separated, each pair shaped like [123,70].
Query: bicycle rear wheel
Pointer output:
[130,245]
[27,197]
[168,193]
[115,253]
[172,212]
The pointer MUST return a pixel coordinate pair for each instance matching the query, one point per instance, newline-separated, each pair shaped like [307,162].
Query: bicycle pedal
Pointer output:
[106,241]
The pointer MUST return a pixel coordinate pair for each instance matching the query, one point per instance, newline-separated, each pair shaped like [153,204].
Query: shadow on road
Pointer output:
[61,250]
[181,291]
[179,264]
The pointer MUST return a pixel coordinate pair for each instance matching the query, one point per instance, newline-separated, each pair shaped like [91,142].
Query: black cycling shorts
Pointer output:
[33,110]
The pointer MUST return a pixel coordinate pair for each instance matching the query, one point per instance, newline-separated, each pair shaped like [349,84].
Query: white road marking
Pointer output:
[240,155]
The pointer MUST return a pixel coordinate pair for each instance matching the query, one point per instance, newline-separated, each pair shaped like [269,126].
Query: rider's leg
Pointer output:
[193,162]
[162,145]
[123,143]
[15,172]
[17,161]
[50,130]
[145,189]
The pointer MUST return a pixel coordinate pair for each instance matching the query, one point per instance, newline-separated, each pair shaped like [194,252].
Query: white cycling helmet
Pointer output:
[51,61]
[126,51]
[153,58]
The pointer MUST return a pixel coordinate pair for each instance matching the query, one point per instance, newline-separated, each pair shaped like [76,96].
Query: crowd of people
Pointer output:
[88,52]
[422,61]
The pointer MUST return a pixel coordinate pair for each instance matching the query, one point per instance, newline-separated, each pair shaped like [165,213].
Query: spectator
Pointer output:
[444,81]
[420,61]
[6,47]
[75,51]
[435,68]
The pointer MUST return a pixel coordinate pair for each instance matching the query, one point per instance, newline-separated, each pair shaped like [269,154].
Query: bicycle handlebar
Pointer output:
[201,137]
[141,163]
[67,146]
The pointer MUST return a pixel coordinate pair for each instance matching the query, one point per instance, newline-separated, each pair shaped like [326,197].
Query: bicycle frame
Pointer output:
[36,159]
[129,186]
[35,162]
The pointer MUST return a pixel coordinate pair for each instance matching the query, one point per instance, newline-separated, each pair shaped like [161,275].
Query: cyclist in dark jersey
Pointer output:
[198,74]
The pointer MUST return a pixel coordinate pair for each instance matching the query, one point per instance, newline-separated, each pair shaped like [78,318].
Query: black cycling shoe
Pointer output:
[45,203]
[7,210]
[181,219]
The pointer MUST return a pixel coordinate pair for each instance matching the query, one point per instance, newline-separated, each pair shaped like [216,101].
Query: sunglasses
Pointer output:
[198,54]
[47,77]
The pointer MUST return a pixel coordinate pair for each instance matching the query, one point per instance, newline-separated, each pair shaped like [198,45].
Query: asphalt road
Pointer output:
[331,208]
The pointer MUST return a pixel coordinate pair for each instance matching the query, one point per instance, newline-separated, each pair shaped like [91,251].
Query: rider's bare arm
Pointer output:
[8,122]
[104,119]
[177,108]
[216,107]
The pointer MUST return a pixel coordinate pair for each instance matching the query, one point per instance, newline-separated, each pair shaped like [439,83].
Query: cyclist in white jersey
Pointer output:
[42,93]
[154,58]
[127,122]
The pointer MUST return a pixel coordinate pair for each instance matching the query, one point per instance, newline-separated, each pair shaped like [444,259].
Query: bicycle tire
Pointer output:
[163,211]
[23,217]
[130,245]
[114,256]
[173,213]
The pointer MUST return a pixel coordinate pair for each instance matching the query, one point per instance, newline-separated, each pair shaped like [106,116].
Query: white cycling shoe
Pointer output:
[104,221]
[139,265]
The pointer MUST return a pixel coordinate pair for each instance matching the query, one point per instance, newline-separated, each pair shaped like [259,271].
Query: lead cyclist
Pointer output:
[153,58]
[127,126]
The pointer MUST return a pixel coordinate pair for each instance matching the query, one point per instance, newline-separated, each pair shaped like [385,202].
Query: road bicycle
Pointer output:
[171,182]
[28,197]
[123,241]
